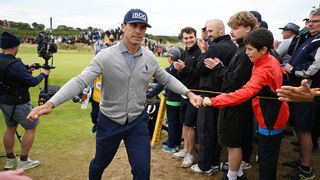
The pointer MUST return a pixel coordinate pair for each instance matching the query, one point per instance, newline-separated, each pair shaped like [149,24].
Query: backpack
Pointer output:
[7,95]
[4,64]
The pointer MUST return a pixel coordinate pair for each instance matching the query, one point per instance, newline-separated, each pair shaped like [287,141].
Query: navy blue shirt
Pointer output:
[17,72]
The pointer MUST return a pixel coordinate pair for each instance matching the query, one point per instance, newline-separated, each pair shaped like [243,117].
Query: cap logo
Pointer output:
[136,16]
[139,15]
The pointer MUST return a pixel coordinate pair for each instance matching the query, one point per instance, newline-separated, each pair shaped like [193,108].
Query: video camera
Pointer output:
[46,46]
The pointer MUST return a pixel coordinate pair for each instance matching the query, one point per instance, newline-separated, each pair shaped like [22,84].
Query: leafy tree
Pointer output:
[20,25]
[37,26]
[22,30]
[79,29]
[62,27]
[70,28]
[90,28]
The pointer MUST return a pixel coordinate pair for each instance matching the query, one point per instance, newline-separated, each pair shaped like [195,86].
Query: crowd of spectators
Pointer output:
[85,37]
[108,37]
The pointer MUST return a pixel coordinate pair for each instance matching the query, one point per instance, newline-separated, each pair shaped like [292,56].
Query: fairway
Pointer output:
[64,143]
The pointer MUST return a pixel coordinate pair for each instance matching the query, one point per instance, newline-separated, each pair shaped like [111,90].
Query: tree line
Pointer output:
[22,30]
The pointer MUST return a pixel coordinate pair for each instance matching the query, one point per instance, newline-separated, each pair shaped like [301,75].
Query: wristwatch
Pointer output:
[316,98]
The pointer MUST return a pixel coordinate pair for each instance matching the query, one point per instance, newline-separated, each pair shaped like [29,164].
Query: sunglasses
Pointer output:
[312,21]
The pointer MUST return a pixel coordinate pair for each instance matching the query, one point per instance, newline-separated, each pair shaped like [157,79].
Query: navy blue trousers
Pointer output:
[268,153]
[174,126]
[137,142]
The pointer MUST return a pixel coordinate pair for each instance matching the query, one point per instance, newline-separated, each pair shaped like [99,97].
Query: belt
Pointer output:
[268,132]
[173,103]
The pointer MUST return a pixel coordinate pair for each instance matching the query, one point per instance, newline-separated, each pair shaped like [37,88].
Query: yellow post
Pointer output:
[160,117]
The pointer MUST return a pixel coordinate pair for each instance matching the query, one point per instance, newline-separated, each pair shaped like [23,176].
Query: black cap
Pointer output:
[264,24]
[8,40]
[257,15]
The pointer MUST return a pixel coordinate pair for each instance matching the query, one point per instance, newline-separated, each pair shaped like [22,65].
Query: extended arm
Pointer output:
[298,94]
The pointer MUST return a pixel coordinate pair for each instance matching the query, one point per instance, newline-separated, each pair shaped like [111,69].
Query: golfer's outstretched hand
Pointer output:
[206,101]
[195,100]
[40,110]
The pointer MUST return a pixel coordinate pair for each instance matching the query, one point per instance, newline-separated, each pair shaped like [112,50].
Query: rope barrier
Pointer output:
[216,92]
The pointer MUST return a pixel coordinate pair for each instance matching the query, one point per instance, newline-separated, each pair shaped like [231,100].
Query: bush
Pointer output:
[77,47]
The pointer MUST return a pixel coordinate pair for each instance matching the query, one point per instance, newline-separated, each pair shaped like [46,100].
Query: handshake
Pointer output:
[197,100]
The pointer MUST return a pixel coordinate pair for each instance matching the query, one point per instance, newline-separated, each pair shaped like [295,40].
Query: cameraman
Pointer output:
[15,80]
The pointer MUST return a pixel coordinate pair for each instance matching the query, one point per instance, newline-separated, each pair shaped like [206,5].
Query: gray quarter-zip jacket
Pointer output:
[124,87]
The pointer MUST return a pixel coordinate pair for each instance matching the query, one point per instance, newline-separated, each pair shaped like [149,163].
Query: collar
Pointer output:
[7,56]
[240,42]
[124,49]
[193,48]
[223,37]
[262,59]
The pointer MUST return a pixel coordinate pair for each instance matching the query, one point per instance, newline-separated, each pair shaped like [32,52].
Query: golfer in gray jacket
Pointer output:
[126,69]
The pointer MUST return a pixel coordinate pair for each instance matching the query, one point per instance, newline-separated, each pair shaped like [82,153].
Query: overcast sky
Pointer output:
[166,17]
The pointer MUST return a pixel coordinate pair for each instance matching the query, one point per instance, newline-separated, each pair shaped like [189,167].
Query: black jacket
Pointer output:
[189,75]
[234,77]
[238,72]
[223,49]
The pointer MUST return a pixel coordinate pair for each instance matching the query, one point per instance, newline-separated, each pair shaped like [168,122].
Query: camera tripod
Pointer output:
[48,90]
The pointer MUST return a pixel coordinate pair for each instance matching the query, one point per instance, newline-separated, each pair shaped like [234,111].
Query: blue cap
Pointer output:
[8,40]
[291,26]
[136,16]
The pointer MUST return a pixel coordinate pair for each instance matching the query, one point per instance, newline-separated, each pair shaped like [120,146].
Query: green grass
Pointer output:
[64,143]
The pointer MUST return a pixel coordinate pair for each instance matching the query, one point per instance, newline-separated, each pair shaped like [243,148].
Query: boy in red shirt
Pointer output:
[271,114]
